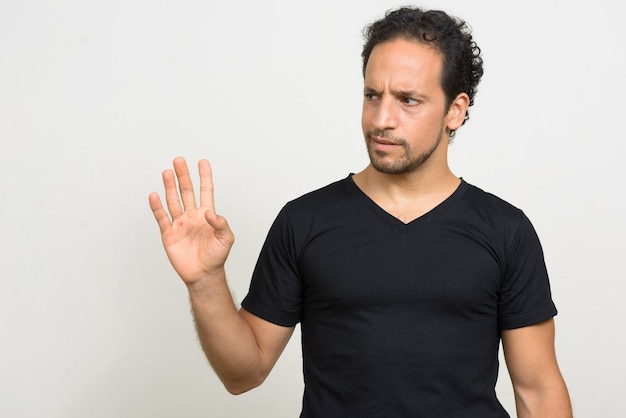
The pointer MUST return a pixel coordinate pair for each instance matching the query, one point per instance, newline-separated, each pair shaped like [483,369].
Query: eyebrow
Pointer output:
[397,93]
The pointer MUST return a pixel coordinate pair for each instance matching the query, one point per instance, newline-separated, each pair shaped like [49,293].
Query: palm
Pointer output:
[196,240]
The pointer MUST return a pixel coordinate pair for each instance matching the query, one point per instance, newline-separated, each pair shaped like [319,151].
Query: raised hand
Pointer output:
[197,241]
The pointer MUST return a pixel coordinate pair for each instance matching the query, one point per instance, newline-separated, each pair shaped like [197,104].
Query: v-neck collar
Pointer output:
[395,222]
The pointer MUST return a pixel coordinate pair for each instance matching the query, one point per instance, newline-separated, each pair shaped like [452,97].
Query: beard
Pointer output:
[404,164]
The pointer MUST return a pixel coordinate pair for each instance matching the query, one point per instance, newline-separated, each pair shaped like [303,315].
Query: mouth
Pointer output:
[382,143]
[383,146]
[382,138]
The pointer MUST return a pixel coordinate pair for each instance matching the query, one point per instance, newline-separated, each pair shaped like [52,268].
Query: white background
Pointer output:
[97,98]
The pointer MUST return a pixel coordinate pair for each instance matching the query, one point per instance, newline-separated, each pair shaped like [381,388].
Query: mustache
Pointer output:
[386,135]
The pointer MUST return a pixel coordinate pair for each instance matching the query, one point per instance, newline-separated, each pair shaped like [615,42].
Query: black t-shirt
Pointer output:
[400,320]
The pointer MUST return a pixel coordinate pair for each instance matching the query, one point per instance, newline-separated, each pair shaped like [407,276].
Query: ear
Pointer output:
[456,111]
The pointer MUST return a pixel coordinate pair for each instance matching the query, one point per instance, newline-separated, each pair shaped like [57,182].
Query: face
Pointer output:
[404,115]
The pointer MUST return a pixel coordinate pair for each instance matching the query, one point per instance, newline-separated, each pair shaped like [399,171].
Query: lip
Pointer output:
[383,144]
[383,141]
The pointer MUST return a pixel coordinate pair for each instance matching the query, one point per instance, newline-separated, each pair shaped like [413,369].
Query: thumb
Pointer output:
[220,225]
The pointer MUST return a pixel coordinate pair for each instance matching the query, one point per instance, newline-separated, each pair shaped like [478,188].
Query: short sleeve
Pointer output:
[525,296]
[275,292]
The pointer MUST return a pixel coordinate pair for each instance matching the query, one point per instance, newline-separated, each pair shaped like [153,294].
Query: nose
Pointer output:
[385,115]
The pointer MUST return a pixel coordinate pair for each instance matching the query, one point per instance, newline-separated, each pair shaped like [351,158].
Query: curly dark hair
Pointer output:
[451,36]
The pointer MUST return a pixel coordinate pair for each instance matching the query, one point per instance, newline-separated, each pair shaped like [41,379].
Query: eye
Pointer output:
[371,96]
[409,101]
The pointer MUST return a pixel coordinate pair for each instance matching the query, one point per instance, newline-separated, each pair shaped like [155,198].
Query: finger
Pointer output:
[206,185]
[159,213]
[220,227]
[184,183]
[171,194]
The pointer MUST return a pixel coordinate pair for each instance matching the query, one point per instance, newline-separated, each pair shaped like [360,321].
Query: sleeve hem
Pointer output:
[271,314]
[528,318]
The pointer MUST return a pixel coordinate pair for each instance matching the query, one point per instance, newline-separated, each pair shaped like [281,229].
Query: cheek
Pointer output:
[421,129]
[365,116]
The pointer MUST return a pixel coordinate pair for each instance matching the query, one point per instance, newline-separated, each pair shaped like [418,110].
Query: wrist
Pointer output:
[207,283]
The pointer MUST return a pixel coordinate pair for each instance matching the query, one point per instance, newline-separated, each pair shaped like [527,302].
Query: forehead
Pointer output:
[405,64]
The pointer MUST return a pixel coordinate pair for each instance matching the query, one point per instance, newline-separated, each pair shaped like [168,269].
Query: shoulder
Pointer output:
[490,215]
[323,203]
[487,199]
[485,204]
[314,212]
[333,195]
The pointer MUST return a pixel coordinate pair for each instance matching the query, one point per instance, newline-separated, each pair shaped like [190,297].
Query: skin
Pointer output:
[241,347]
[406,125]
[540,390]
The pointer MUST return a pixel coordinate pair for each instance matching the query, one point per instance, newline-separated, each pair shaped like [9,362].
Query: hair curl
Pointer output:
[462,63]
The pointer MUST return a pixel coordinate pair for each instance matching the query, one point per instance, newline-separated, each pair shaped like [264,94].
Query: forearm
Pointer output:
[197,242]
[226,338]
[547,402]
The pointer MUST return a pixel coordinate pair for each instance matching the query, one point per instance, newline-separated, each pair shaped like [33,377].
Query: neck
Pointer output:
[407,196]
[410,184]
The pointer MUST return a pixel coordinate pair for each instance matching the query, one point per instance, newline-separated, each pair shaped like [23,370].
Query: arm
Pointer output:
[241,347]
[539,387]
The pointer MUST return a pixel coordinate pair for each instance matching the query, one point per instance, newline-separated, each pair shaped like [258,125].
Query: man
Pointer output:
[404,278]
